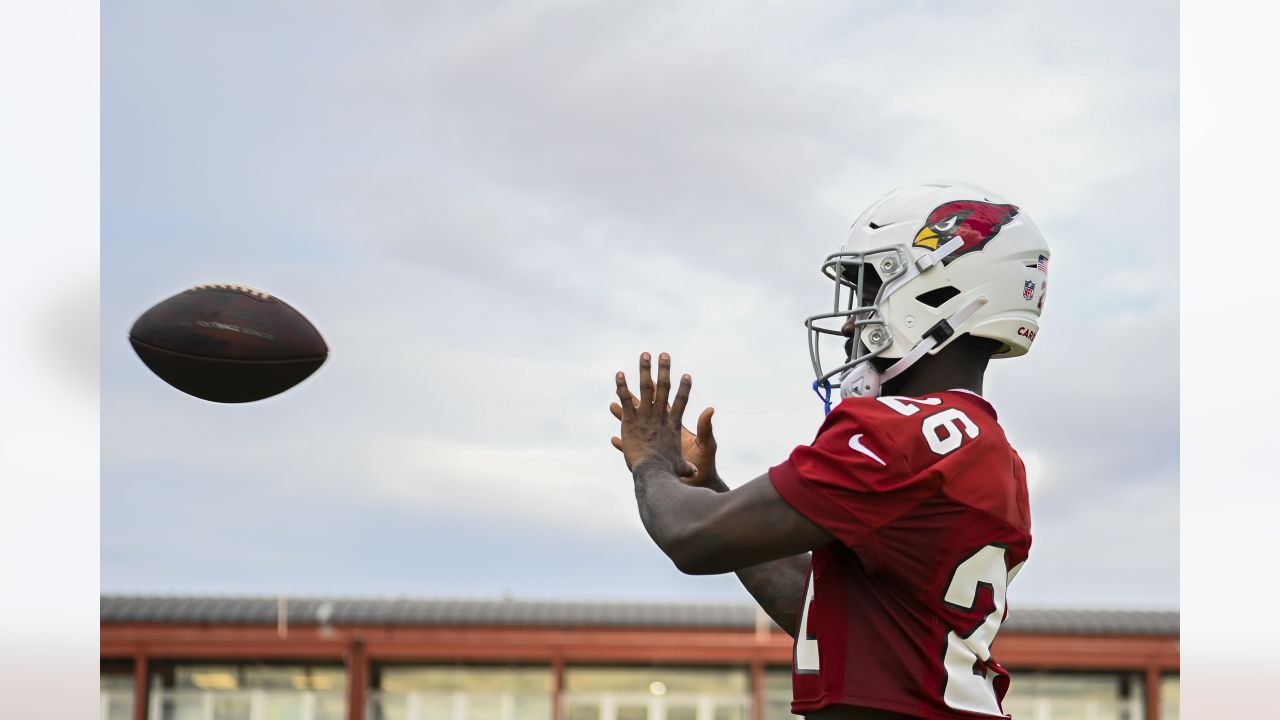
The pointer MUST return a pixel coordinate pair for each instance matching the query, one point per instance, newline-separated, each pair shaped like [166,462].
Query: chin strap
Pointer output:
[863,380]
[824,394]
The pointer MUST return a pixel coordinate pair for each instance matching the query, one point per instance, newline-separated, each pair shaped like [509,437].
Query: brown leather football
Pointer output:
[228,343]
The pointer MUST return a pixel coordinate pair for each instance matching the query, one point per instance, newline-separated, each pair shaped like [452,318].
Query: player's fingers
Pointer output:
[682,399]
[628,406]
[646,383]
[705,437]
[617,442]
[663,395]
[616,409]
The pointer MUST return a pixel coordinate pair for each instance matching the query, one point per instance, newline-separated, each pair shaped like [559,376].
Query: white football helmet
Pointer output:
[942,259]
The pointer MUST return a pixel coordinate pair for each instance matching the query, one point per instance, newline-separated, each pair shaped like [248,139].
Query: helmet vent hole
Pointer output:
[875,226]
[934,298]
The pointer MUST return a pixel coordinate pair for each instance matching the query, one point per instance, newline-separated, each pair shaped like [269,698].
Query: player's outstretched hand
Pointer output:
[651,428]
[699,450]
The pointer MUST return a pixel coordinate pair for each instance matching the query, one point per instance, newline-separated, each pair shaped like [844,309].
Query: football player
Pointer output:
[885,546]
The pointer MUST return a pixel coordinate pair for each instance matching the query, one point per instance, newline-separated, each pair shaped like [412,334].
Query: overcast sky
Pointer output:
[489,210]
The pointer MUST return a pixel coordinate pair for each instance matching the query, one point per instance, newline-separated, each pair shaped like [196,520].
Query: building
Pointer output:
[189,658]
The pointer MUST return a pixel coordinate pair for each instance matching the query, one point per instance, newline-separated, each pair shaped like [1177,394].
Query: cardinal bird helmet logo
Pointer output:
[973,221]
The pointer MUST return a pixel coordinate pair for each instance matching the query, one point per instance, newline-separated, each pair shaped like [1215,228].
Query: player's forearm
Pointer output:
[779,588]
[670,510]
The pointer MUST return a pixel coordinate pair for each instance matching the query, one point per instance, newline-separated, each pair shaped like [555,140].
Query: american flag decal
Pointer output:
[1043,264]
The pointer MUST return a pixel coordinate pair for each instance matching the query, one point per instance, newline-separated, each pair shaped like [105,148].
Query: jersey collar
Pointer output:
[981,400]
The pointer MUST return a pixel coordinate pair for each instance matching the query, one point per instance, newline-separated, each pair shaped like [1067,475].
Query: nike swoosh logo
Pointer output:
[855,443]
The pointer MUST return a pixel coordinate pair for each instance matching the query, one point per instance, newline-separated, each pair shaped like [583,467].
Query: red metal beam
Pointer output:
[357,679]
[426,644]
[382,643]
[557,687]
[1089,652]
[1152,686]
[140,683]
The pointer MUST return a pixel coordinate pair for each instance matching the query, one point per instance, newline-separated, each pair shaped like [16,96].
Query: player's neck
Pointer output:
[917,386]
[944,371]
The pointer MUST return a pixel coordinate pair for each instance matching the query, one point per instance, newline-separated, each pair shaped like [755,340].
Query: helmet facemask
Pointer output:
[862,280]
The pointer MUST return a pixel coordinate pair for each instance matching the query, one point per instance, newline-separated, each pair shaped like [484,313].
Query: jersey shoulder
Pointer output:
[922,430]
[860,440]
[874,459]
[962,442]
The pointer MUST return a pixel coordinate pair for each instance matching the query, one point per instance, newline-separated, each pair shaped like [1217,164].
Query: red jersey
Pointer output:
[928,503]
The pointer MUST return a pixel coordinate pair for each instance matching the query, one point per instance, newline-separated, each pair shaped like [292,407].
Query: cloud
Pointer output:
[487,211]
[536,488]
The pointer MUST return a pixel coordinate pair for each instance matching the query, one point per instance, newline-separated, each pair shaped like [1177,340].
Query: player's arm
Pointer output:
[702,531]
[777,585]
[705,533]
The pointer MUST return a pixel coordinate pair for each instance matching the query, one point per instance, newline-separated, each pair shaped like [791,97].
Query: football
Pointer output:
[228,343]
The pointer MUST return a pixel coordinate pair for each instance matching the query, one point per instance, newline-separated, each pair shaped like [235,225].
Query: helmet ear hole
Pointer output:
[935,297]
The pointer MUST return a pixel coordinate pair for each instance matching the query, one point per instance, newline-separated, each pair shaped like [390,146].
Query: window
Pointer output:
[249,692]
[117,696]
[1067,696]
[657,693]
[777,694]
[1170,697]
[461,692]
